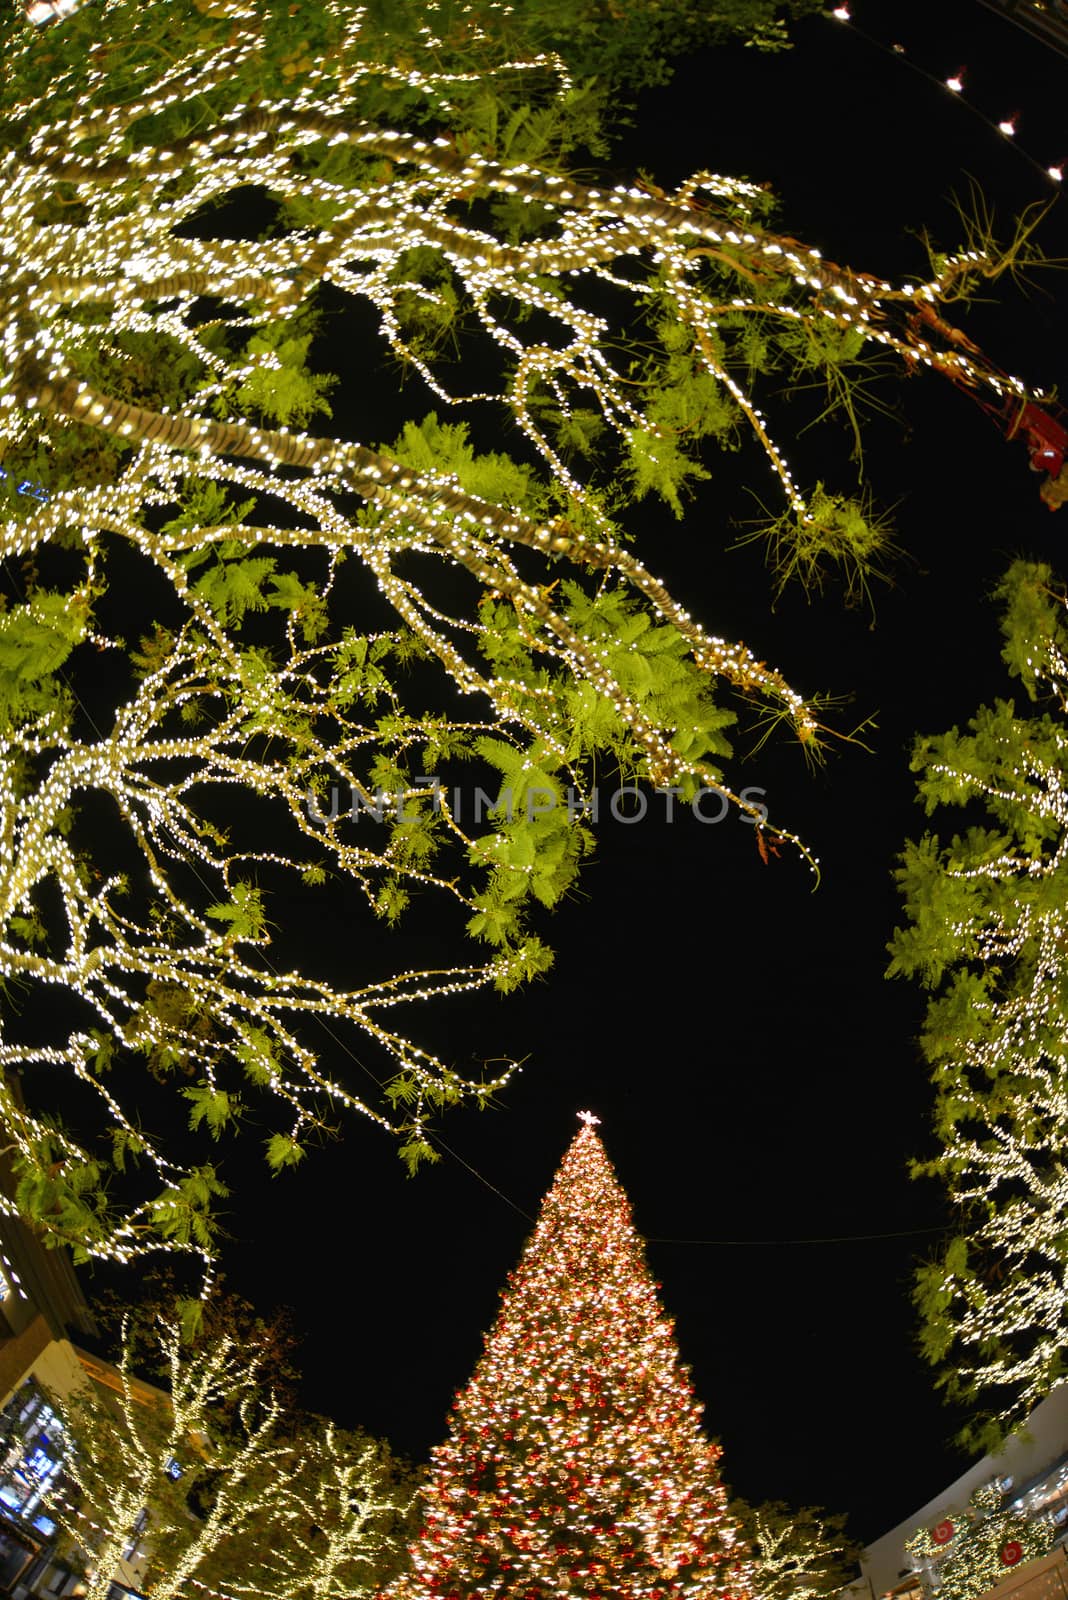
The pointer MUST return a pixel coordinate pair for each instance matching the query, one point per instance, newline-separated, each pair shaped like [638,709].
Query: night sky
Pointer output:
[757,1078]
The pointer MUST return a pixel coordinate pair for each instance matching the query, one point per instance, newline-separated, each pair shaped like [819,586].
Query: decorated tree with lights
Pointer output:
[231,640]
[987,931]
[799,1553]
[961,1557]
[575,1462]
[207,1484]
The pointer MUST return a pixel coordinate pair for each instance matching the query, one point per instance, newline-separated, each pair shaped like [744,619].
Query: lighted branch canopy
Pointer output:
[211,1488]
[159,383]
[986,934]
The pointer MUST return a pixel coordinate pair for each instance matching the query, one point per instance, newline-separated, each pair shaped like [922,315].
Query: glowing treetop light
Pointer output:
[575,1463]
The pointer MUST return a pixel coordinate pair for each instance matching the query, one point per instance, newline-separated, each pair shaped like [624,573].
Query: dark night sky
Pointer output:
[756,1075]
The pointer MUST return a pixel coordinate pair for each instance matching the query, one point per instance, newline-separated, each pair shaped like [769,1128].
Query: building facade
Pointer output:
[41,1308]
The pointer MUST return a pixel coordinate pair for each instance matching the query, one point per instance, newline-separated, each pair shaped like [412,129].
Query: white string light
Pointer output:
[989,934]
[955,82]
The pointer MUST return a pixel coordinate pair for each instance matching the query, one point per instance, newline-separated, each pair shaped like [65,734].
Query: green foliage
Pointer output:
[183,1213]
[970,1562]
[446,447]
[653,663]
[215,1108]
[833,533]
[798,1554]
[303,615]
[205,504]
[281,388]
[1032,622]
[243,915]
[302,601]
[258,1053]
[658,466]
[64,1195]
[536,847]
[36,639]
[983,934]
[234,587]
[416,1153]
[283,1151]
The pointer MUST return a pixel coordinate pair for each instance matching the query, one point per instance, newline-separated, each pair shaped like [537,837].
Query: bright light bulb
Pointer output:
[956,83]
[1056,173]
[1008,127]
[842,13]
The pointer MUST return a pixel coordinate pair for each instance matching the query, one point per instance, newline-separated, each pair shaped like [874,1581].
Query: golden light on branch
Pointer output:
[207,1486]
[159,380]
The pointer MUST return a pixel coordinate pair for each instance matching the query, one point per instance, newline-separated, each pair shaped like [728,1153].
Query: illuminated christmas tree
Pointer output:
[575,1462]
[962,1557]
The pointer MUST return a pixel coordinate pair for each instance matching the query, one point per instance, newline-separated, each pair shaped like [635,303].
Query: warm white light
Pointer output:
[126,254]
[956,83]
[1008,127]
[40,11]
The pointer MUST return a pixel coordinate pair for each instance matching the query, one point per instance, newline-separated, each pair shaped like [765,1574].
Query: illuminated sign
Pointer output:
[34,490]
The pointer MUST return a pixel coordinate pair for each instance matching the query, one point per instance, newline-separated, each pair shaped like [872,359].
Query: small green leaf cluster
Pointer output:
[833,533]
[282,388]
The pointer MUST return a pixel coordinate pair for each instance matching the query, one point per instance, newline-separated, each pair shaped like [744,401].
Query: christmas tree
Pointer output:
[963,1557]
[575,1463]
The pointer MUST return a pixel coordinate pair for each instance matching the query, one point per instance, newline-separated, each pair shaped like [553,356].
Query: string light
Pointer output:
[41,11]
[955,83]
[129,265]
[289,1514]
[989,934]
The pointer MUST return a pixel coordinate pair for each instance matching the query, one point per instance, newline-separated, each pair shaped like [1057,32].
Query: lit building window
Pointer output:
[10,1282]
[31,1455]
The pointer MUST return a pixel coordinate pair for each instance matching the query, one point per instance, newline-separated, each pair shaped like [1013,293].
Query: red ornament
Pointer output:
[1011,1553]
[943,1531]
